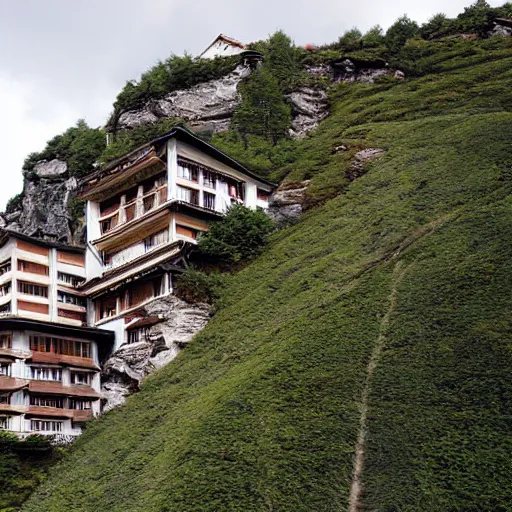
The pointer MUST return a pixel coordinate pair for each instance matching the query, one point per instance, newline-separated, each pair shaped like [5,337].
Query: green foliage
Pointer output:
[14,203]
[257,153]
[374,38]
[197,286]
[261,410]
[263,111]
[79,146]
[438,26]
[23,466]
[398,33]
[476,18]
[240,235]
[174,73]
[128,140]
[351,40]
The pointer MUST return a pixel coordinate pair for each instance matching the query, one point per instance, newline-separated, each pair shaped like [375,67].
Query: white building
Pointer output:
[143,210]
[223,46]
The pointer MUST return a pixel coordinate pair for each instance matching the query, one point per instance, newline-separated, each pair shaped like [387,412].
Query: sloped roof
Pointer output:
[226,39]
[181,134]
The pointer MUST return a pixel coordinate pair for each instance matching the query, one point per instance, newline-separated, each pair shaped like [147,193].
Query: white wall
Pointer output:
[221,49]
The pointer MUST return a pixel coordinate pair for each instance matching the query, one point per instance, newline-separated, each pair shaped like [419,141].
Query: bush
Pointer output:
[195,286]
[241,235]
[14,203]
[79,146]
[402,30]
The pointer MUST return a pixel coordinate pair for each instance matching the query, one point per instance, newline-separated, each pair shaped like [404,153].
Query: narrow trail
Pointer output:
[356,487]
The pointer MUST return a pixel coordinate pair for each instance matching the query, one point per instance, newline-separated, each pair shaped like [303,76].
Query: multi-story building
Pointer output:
[64,309]
[49,359]
[142,212]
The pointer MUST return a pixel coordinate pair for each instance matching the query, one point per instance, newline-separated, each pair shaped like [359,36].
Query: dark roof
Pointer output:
[7,233]
[91,333]
[187,136]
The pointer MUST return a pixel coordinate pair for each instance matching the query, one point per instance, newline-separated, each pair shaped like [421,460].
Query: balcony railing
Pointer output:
[134,209]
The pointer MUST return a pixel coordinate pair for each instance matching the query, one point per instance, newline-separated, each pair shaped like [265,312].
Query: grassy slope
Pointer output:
[262,410]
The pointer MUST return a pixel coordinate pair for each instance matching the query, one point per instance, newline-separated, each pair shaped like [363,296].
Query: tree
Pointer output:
[436,27]
[240,235]
[263,111]
[373,38]
[281,60]
[402,30]
[476,18]
[351,40]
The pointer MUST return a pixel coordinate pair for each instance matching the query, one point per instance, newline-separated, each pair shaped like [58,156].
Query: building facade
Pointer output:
[49,358]
[64,309]
[223,46]
[144,211]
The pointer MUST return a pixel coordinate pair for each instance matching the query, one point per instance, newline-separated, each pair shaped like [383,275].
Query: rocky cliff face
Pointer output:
[44,211]
[207,106]
[176,323]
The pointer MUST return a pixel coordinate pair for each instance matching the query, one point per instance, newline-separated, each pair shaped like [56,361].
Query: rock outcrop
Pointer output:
[209,105]
[44,211]
[309,107]
[175,323]
[287,202]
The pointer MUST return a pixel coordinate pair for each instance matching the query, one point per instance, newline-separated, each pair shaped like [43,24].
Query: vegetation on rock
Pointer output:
[79,146]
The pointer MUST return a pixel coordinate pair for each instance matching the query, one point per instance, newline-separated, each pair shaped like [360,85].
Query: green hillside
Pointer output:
[382,319]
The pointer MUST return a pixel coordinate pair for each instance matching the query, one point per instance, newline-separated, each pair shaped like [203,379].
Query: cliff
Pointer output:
[45,207]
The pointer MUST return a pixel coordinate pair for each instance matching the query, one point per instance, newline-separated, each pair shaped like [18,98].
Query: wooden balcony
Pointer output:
[12,383]
[56,388]
[52,358]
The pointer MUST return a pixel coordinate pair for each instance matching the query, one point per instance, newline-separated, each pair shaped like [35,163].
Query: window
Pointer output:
[5,267]
[188,195]
[5,422]
[70,279]
[109,224]
[5,369]
[5,289]
[155,240]
[6,340]
[47,401]
[80,405]
[143,291]
[5,309]
[109,206]
[45,426]
[209,179]
[32,268]
[106,307]
[32,289]
[60,346]
[5,398]
[209,200]
[263,195]
[46,373]
[136,335]
[187,172]
[81,378]
[68,298]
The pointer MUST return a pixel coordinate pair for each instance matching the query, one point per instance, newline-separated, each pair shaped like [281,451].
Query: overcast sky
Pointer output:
[62,60]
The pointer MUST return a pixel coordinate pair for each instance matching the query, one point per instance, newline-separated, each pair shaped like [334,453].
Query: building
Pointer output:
[223,46]
[64,309]
[144,212]
[49,359]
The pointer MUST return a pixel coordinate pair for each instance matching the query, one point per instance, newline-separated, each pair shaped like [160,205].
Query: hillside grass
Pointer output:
[262,411]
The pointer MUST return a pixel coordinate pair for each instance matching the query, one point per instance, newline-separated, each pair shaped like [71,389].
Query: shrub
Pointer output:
[195,286]
[14,203]
[402,30]
[241,234]
[79,146]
